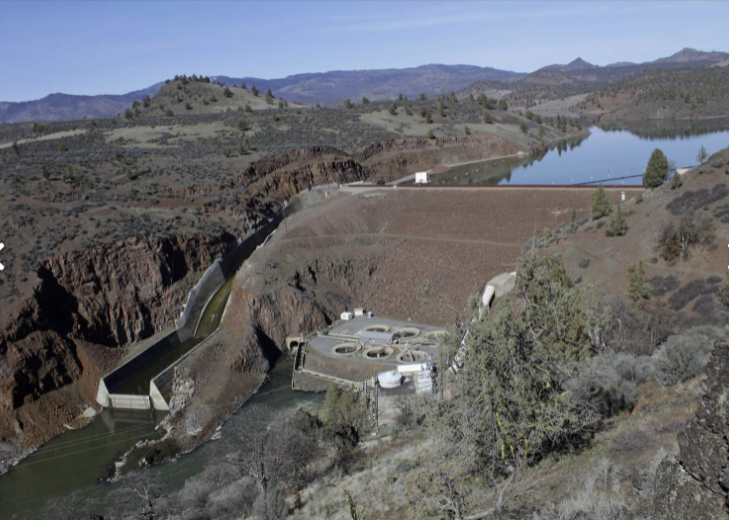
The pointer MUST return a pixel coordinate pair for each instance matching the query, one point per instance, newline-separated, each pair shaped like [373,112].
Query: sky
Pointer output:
[117,47]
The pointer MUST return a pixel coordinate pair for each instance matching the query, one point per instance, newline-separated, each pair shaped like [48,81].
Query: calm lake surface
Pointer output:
[80,460]
[609,153]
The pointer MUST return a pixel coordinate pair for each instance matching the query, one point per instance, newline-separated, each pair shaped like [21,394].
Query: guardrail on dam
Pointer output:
[160,386]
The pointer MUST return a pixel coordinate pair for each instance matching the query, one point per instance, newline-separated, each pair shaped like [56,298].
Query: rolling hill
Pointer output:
[376,84]
[66,107]
[576,77]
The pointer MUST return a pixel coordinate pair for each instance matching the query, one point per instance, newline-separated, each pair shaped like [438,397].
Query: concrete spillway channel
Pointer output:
[132,385]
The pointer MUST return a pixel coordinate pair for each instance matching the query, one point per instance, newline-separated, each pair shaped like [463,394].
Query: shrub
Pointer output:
[227,92]
[724,292]
[657,170]
[513,405]
[600,204]
[584,263]
[617,226]
[684,356]
[62,148]
[638,287]
[346,407]
[610,382]
[676,181]
[692,200]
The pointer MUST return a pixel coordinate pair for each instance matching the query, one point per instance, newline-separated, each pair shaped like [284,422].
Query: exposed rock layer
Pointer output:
[695,486]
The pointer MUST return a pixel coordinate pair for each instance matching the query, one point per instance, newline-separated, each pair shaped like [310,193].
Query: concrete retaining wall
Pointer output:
[186,326]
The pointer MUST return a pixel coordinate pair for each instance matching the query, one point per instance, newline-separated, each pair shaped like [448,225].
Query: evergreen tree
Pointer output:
[600,204]
[422,97]
[254,91]
[227,92]
[248,109]
[431,134]
[702,155]
[487,118]
[393,110]
[638,287]
[503,105]
[676,181]
[348,103]
[657,170]
[466,130]
[523,128]
[269,94]
[365,100]
[617,226]
[428,118]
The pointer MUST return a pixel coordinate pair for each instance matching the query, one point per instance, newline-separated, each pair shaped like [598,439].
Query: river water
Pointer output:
[607,155]
[80,460]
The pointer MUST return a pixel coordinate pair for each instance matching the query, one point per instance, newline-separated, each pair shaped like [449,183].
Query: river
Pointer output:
[610,153]
[80,460]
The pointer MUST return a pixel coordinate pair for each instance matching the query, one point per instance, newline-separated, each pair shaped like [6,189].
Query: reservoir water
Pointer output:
[607,155]
[80,460]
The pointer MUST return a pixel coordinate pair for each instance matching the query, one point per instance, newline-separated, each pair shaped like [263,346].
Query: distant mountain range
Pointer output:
[376,84]
[66,107]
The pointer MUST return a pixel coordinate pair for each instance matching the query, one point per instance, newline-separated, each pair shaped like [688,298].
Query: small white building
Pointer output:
[422,178]
[359,311]
[346,316]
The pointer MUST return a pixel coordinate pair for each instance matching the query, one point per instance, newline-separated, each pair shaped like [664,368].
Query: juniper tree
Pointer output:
[600,204]
[227,92]
[348,103]
[702,155]
[617,226]
[638,287]
[487,118]
[513,404]
[656,172]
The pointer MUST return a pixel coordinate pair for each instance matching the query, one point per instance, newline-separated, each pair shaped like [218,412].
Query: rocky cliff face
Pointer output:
[109,295]
[696,484]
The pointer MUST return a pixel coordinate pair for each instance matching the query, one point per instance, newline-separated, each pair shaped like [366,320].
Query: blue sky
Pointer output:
[117,47]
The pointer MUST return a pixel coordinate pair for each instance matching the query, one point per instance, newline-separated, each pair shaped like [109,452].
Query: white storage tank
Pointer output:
[422,178]
[391,379]
[412,368]
[346,316]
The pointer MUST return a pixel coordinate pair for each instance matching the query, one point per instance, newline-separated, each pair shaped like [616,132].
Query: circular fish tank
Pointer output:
[407,332]
[346,349]
[378,353]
